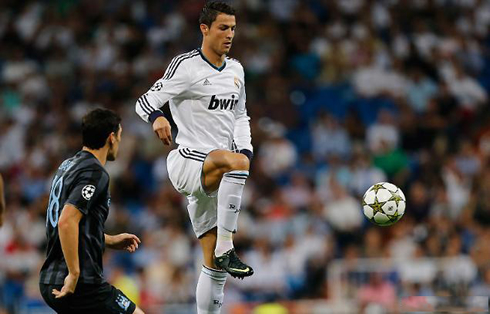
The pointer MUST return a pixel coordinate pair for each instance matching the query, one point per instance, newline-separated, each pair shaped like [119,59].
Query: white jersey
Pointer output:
[207,103]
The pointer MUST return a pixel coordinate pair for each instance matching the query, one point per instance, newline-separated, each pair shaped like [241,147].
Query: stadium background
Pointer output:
[342,94]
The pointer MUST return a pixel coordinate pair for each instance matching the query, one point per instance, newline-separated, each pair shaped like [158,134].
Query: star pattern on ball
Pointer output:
[394,217]
[377,187]
[396,198]
[377,206]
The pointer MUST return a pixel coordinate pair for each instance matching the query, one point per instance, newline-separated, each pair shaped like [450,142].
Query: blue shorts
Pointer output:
[89,298]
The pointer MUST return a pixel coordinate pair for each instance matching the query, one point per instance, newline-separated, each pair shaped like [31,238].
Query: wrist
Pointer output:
[108,240]
[75,273]
[154,115]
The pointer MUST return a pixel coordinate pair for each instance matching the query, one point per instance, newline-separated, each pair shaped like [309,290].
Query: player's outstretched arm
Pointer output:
[2,201]
[124,241]
[68,232]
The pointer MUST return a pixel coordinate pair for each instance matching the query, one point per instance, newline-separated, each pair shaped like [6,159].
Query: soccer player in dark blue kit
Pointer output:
[71,279]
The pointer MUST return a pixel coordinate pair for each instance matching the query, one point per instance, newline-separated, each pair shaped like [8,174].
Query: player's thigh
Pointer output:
[208,244]
[185,170]
[219,162]
[202,209]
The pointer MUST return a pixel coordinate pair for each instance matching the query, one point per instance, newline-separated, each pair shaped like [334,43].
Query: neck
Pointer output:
[100,154]
[212,56]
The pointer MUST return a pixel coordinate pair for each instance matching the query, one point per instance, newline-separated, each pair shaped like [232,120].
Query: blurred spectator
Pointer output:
[384,134]
[467,91]
[373,246]
[343,212]
[466,267]
[378,291]
[402,245]
[271,280]
[298,192]
[330,138]
[364,173]
[458,185]
[417,270]
[420,90]
[483,286]
[277,154]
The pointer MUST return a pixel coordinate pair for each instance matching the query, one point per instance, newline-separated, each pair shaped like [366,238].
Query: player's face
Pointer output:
[114,140]
[221,33]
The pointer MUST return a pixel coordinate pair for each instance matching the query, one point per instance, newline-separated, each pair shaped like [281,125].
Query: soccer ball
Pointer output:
[383,204]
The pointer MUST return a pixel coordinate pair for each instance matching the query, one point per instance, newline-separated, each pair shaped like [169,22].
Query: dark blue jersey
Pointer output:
[82,182]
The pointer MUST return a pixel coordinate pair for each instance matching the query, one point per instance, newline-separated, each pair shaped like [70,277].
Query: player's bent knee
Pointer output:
[239,162]
[226,161]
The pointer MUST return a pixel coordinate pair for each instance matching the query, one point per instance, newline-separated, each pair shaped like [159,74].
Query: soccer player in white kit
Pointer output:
[206,93]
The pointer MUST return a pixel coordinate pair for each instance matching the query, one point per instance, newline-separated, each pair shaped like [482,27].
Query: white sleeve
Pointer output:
[242,135]
[173,83]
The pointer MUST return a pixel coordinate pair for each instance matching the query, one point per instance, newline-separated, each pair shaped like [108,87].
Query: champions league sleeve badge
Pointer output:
[88,191]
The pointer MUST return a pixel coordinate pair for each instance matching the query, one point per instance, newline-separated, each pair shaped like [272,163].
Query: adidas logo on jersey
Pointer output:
[222,104]
[207,82]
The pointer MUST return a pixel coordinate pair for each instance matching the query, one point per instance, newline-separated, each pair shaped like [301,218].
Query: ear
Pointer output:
[112,138]
[204,29]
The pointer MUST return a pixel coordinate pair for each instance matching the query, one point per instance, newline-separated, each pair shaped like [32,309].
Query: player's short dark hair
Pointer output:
[97,125]
[211,10]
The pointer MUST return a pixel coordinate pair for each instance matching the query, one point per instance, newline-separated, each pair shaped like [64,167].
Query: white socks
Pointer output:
[209,291]
[229,199]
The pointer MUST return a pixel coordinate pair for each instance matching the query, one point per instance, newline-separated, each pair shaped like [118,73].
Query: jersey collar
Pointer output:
[212,65]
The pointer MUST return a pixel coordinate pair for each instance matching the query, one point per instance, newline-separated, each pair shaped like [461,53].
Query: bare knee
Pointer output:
[225,161]
[239,162]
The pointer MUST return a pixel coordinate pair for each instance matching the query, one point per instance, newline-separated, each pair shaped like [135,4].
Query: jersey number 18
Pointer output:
[54,202]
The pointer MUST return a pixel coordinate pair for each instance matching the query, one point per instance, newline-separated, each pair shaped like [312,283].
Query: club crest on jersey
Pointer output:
[123,302]
[237,82]
[88,191]
[222,103]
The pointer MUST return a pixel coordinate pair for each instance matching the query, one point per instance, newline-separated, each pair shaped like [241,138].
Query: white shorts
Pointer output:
[185,172]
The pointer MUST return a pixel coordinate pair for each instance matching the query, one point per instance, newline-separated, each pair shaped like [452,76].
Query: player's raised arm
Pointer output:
[173,83]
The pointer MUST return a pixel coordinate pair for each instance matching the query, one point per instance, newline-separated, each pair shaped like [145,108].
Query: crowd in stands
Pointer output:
[342,94]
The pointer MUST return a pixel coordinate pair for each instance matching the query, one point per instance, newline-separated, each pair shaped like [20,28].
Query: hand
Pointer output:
[68,288]
[162,128]
[124,241]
